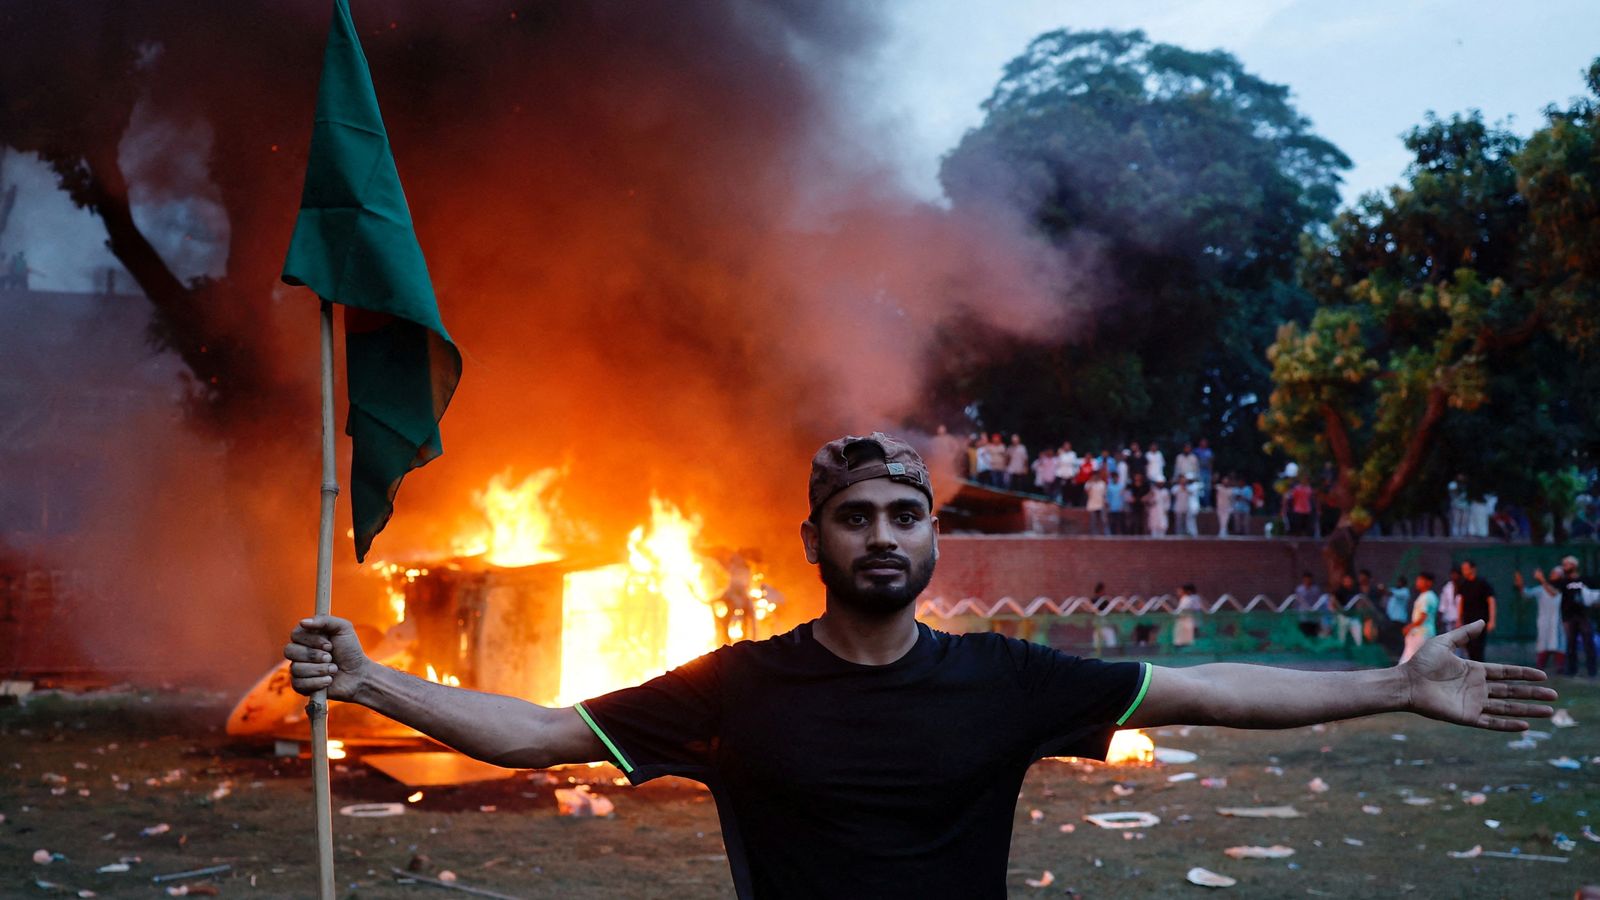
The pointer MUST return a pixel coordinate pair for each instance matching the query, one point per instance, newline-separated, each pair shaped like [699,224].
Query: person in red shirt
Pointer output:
[1301,506]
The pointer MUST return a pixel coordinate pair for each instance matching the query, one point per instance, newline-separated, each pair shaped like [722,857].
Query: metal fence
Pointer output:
[1134,625]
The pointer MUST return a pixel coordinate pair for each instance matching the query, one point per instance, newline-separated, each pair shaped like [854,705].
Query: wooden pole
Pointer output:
[317,709]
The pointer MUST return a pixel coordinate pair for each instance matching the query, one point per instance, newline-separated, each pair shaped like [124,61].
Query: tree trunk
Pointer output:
[1339,551]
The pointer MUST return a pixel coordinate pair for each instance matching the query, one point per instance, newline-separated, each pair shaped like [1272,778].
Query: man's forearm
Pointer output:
[497,729]
[1245,696]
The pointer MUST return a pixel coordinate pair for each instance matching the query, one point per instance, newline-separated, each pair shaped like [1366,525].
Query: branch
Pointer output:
[1344,457]
[1417,448]
[1492,341]
[106,192]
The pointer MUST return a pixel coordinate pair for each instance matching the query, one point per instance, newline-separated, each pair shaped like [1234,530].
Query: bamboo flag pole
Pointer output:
[317,709]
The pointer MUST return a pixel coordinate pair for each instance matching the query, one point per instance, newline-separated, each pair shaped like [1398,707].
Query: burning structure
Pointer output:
[528,608]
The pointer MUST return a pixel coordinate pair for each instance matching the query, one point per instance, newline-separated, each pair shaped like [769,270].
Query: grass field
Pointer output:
[64,757]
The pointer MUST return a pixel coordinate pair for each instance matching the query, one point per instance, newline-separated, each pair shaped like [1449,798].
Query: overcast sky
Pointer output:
[1362,71]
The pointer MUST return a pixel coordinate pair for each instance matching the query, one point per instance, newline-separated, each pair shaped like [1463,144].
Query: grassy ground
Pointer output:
[663,841]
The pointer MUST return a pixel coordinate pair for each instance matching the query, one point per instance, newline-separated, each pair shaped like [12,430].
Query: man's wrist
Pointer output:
[1394,686]
[367,687]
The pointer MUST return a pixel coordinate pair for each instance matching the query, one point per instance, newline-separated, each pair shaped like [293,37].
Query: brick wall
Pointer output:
[1025,566]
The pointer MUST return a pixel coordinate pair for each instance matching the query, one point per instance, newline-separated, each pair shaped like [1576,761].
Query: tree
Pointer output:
[1177,185]
[1461,290]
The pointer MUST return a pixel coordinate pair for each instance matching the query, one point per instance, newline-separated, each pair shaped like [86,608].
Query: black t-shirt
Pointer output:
[1474,596]
[1571,599]
[834,779]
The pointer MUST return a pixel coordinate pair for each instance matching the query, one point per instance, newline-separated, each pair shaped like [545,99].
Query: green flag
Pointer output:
[354,245]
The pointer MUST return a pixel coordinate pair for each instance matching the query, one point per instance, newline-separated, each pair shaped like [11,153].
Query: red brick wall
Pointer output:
[1024,567]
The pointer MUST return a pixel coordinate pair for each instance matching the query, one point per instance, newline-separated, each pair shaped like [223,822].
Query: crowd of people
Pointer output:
[1128,490]
[1565,604]
[1137,490]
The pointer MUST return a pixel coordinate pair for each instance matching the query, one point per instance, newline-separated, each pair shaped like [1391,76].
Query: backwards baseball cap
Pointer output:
[851,459]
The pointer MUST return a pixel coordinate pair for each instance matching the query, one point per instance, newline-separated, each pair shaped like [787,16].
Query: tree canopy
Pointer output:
[1454,317]
[1179,186]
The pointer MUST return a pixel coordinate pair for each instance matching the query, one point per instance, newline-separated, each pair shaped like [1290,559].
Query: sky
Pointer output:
[1363,71]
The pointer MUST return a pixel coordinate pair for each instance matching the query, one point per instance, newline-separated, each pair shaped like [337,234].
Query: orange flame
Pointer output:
[519,527]
[1131,747]
[627,623]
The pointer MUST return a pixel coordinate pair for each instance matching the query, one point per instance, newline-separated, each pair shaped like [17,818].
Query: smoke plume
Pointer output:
[672,257]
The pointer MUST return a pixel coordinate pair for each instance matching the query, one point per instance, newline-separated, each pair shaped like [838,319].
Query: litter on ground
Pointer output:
[1208,878]
[1260,812]
[1276,851]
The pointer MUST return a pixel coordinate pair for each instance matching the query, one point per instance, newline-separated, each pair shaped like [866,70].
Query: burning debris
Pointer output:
[528,604]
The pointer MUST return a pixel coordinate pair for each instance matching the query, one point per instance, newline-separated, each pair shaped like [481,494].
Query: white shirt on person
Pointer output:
[1094,494]
[1186,464]
[1155,466]
[1068,465]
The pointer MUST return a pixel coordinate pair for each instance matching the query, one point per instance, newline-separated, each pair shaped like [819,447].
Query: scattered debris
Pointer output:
[1036,815]
[1589,834]
[1260,812]
[1121,790]
[193,890]
[1523,744]
[1123,819]
[116,868]
[1476,799]
[1273,770]
[1182,776]
[1492,823]
[1397,737]
[43,857]
[1355,842]
[1045,880]
[1317,786]
[1564,843]
[581,802]
[192,873]
[154,830]
[52,886]
[1420,801]
[1372,810]
[1208,878]
[1069,828]
[1530,857]
[1214,782]
[372,810]
[1474,853]
[1565,762]
[1562,719]
[451,885]
[1276,851]
[1172,757]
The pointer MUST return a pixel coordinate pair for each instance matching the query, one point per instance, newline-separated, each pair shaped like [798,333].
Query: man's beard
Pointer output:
[874,599]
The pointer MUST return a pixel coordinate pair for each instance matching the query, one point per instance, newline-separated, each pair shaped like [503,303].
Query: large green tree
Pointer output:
[1177,186]
[1453,321]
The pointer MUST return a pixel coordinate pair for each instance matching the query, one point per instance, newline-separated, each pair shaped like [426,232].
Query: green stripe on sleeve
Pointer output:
[627,767]
[1144,685]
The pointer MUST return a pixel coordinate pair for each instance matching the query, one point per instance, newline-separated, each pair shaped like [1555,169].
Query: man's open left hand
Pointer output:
[1483,695]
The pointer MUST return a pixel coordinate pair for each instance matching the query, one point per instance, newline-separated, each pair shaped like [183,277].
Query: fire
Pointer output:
[396,577]
[1131,747]
[519,521]
[436,678]
[626,623]
[335,749]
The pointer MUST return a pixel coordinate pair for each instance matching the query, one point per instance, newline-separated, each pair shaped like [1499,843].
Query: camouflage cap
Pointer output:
[851,459]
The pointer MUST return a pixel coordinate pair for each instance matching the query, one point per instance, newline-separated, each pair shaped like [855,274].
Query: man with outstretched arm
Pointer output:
[864,754]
